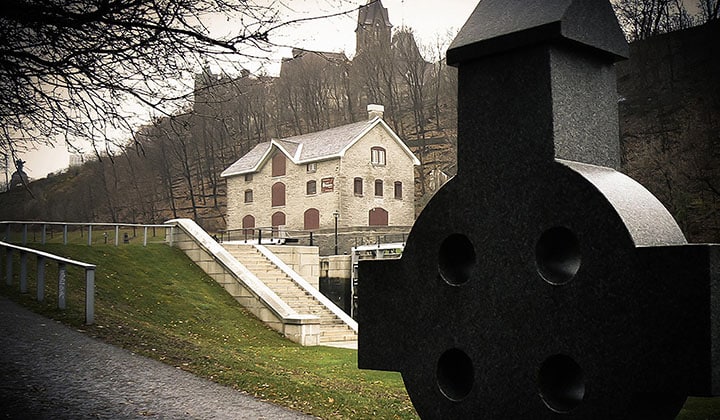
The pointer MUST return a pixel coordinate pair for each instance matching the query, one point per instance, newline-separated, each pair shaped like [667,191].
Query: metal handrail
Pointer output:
[62,273]
[89,225]
[272,233]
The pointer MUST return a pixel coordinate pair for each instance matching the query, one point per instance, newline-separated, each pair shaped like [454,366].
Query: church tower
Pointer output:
[373,28]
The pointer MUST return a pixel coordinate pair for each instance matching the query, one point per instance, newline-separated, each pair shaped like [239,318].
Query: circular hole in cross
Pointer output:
[558,255]
[455,374]
[456,259]
[562,383]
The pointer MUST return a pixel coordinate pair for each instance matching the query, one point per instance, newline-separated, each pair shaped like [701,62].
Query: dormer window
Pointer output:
[377,156]
[278,164]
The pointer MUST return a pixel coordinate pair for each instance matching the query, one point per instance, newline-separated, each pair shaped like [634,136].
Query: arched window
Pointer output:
[378,217]
[311,187]
[278,164]
[398,190]
[278,194]
[278,219]
[358,186]
[377,156]
[248,221]
[378,188]
[248,196]
[312,219]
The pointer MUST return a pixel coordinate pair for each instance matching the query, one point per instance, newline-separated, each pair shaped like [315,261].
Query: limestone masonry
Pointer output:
[361,172]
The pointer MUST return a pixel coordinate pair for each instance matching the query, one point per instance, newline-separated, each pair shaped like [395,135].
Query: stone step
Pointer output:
[332,328]
[330,338]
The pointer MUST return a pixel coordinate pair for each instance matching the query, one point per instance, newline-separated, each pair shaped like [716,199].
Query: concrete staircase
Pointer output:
[332,328]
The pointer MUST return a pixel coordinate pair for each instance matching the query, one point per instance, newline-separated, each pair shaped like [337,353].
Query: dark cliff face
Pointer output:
[669,107]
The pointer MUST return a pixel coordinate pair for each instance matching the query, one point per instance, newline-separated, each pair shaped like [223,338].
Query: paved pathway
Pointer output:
[50,371]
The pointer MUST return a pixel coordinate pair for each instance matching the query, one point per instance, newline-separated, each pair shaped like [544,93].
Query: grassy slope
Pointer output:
[156,302]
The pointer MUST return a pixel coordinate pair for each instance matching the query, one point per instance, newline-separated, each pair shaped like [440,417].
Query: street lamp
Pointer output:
[336,214]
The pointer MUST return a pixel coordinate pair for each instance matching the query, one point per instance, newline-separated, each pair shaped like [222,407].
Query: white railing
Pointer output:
[85,229]
[62,273]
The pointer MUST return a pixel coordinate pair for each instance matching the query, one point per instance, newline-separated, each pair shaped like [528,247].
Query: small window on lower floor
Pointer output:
[248,196]
[358,186]
[398,190]
[311,187]
[378,188]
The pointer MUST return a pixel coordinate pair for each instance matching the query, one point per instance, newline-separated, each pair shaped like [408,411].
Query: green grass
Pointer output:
[156,302]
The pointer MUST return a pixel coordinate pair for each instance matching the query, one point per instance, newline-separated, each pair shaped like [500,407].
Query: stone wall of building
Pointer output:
[398,168]
[353,210]
[296,199]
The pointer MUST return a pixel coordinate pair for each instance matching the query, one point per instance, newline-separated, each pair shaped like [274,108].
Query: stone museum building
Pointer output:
[362,173]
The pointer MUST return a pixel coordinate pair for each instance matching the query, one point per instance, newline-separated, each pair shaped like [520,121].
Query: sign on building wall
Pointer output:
[327,185]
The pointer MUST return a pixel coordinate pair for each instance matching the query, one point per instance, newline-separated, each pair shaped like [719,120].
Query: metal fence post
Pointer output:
[259,236]
[42,236]
[311,239]
[65,235]
[40,278]
[145,237]
[117,235]
[7,234]
[9,268]
[24,235]
[23,272]
[62,274]
[89,235]
[89,295]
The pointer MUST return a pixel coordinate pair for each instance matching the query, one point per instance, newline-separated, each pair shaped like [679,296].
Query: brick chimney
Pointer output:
[375,110]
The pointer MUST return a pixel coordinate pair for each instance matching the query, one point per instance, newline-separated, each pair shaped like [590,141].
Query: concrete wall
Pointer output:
[304,260]
[335,283]
[336,266]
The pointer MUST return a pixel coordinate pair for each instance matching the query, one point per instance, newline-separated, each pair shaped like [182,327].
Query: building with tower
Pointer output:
[374,29]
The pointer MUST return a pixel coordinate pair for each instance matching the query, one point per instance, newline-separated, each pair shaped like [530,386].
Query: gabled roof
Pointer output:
[312,147]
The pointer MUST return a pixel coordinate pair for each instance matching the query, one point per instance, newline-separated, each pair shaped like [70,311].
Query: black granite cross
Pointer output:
[540,282]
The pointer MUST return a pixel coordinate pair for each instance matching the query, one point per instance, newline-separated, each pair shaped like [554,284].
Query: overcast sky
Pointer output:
[337,34]
[431,21]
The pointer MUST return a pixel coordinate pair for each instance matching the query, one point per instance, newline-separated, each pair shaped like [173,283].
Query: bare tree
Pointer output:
[641,19]
[70,68]
[709,9]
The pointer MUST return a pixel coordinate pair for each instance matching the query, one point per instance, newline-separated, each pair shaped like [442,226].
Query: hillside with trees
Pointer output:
[172,167]
[670,124]
[668,118]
